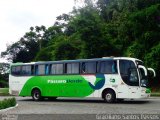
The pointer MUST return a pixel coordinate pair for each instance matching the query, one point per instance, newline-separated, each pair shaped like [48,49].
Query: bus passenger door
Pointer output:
[133,81]
[129,76]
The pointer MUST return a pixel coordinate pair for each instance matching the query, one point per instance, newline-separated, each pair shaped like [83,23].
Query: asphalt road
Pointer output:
[68,108]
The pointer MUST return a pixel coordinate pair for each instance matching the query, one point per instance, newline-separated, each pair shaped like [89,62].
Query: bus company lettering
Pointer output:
[74,81]
[63,81]
[56,81]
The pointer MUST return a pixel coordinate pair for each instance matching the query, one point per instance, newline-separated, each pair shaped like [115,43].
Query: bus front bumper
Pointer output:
[145,95]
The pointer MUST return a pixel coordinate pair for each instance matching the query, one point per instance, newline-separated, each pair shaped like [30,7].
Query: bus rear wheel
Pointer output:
[36,95]
[109,96]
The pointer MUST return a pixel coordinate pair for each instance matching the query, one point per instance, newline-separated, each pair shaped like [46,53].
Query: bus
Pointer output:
[110,78]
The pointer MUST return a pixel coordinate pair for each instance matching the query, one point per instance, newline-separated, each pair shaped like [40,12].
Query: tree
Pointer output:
[45,54]
[152,59]
[4,74]
[65,51]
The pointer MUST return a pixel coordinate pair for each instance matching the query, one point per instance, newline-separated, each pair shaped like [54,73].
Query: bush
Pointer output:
[7,103]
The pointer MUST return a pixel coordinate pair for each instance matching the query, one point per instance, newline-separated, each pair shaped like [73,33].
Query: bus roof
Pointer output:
[78,60]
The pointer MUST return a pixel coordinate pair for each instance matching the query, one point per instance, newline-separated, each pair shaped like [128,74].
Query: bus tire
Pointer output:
[36,95]
[109,96]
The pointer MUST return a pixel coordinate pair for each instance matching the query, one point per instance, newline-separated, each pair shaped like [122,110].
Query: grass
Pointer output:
[4,91]
[155,94]
[10,102]
[155,91]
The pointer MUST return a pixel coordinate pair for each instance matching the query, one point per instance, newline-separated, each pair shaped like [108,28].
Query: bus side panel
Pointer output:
[65,85]
[114,82]
[60,85]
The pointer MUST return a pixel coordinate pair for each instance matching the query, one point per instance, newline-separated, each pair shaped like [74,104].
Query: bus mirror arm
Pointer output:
[151,69]
[142,67]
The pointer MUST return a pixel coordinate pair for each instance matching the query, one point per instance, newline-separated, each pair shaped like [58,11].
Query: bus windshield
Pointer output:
[128,72]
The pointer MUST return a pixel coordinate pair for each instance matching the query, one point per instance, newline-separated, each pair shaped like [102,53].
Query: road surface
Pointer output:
[90,107]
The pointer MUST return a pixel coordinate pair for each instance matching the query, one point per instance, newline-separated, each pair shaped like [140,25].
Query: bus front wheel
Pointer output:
[36,95]
[109,96]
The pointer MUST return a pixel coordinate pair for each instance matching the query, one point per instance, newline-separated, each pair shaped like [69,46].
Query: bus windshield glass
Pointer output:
[129,73]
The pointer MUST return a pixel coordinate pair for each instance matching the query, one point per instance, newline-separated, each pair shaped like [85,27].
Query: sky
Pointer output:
[17,16]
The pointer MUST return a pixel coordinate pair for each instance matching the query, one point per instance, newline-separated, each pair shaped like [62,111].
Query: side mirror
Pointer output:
[142,67]
[151,69]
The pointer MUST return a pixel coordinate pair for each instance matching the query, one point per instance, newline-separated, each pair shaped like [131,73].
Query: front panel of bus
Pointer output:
[132,78]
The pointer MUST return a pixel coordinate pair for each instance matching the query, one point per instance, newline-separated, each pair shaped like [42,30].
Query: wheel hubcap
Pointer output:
[36,95]
[108,97]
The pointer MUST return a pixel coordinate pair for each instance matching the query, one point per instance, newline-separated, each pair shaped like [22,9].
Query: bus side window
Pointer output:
[75,68]
[32,69]
[59,69]
[26,70]
[36,69]
[46,69]
[114,67]
[89,67]
[16,70]
[108,67]
[13,70]
[56,68]
[83,68]
[72,68]
[50,68]
[41,69]
[53,69]
[68,68]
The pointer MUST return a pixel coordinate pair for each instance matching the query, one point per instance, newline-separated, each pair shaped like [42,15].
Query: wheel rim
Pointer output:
[36,95]
[108,97]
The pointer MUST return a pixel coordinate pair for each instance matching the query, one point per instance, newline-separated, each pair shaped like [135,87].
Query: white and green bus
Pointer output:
[110,78]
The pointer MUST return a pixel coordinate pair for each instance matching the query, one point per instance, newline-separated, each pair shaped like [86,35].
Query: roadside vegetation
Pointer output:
[155,91]
[10,102]
[4,91]
[4,75]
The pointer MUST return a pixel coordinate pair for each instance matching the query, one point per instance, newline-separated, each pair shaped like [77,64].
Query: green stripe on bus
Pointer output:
[59,85]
